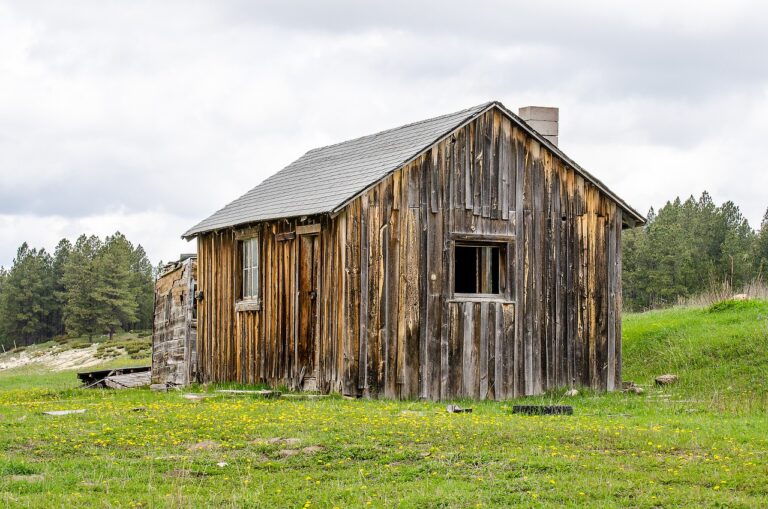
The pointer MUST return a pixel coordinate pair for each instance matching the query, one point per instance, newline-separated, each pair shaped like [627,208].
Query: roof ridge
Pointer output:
[478,107]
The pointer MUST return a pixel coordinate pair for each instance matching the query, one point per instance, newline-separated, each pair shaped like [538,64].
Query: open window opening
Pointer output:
[477,268]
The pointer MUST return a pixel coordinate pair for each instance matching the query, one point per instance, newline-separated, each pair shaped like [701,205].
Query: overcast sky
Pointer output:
[147,116]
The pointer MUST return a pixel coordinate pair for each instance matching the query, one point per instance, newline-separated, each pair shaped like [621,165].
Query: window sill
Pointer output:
[480,297]
[247,305]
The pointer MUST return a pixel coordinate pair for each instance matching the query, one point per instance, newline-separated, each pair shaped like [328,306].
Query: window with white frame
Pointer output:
[250,248]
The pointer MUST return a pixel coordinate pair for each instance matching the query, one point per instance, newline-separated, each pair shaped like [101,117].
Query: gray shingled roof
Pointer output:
[326,178]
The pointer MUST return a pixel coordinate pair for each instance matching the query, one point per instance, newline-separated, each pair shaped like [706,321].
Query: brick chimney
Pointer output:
[543,120]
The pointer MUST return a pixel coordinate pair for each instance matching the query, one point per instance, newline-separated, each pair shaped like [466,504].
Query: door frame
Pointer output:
[312,230]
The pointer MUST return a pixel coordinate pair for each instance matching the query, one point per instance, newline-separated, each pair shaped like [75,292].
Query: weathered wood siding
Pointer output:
[388,322]
[174,332]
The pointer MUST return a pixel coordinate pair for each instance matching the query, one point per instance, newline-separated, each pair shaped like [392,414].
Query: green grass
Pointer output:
[702,442]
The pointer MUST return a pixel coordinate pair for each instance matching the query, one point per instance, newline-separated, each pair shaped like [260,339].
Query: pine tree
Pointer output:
[27,298]
[60,257]
[113,297]
[761,249]
[143,287]
[4,339]
[80,281]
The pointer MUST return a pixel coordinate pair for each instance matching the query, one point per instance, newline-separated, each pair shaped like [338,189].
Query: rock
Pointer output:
[666,379]
[572,393]
[631,387]
[456,409]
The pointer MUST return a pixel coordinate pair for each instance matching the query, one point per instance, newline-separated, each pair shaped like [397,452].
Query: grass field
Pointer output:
[702,442]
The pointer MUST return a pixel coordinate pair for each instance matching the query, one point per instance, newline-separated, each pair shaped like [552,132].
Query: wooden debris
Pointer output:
[128,381]
[98,378]
[666,379]
[27,478]
[196,396]
[542,409]
[266,394]
[65,412]
[456,409]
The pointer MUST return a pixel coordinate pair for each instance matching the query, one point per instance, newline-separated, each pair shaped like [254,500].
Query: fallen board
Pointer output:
[542,409]
[96,378]
[261,394]
[128,381]
[65,412]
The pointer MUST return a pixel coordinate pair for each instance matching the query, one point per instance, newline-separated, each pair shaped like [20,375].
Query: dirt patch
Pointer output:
[54,359]
[312,449]
[287,453]
[205,445]
[283,441]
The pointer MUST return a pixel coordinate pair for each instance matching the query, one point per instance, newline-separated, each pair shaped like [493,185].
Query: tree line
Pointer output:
[88,288]
[689,247]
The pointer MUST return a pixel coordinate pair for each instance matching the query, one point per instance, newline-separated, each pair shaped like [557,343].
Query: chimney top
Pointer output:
[543,120]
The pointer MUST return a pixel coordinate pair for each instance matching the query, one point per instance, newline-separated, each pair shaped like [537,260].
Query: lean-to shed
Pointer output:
[460,256]
[174,330]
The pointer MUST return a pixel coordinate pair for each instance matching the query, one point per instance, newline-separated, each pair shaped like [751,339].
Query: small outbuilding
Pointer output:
[174,330]
[460,256]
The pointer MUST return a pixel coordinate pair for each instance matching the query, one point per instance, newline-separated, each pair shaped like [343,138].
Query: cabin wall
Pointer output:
[388,321]
[557,320]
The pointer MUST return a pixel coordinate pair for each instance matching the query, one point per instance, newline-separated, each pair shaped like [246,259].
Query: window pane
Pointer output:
[254,282]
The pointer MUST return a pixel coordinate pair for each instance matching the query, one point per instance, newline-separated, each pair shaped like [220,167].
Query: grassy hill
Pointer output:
[700,443]
[720,352]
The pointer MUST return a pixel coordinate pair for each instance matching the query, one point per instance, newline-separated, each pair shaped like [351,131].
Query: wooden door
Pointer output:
[307,337]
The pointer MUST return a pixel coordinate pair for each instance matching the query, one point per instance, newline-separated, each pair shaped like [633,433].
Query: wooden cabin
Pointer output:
[460,256]
[174,329]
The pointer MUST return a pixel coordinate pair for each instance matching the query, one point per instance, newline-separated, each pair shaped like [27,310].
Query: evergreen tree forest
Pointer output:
[89,288]
[689,247]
